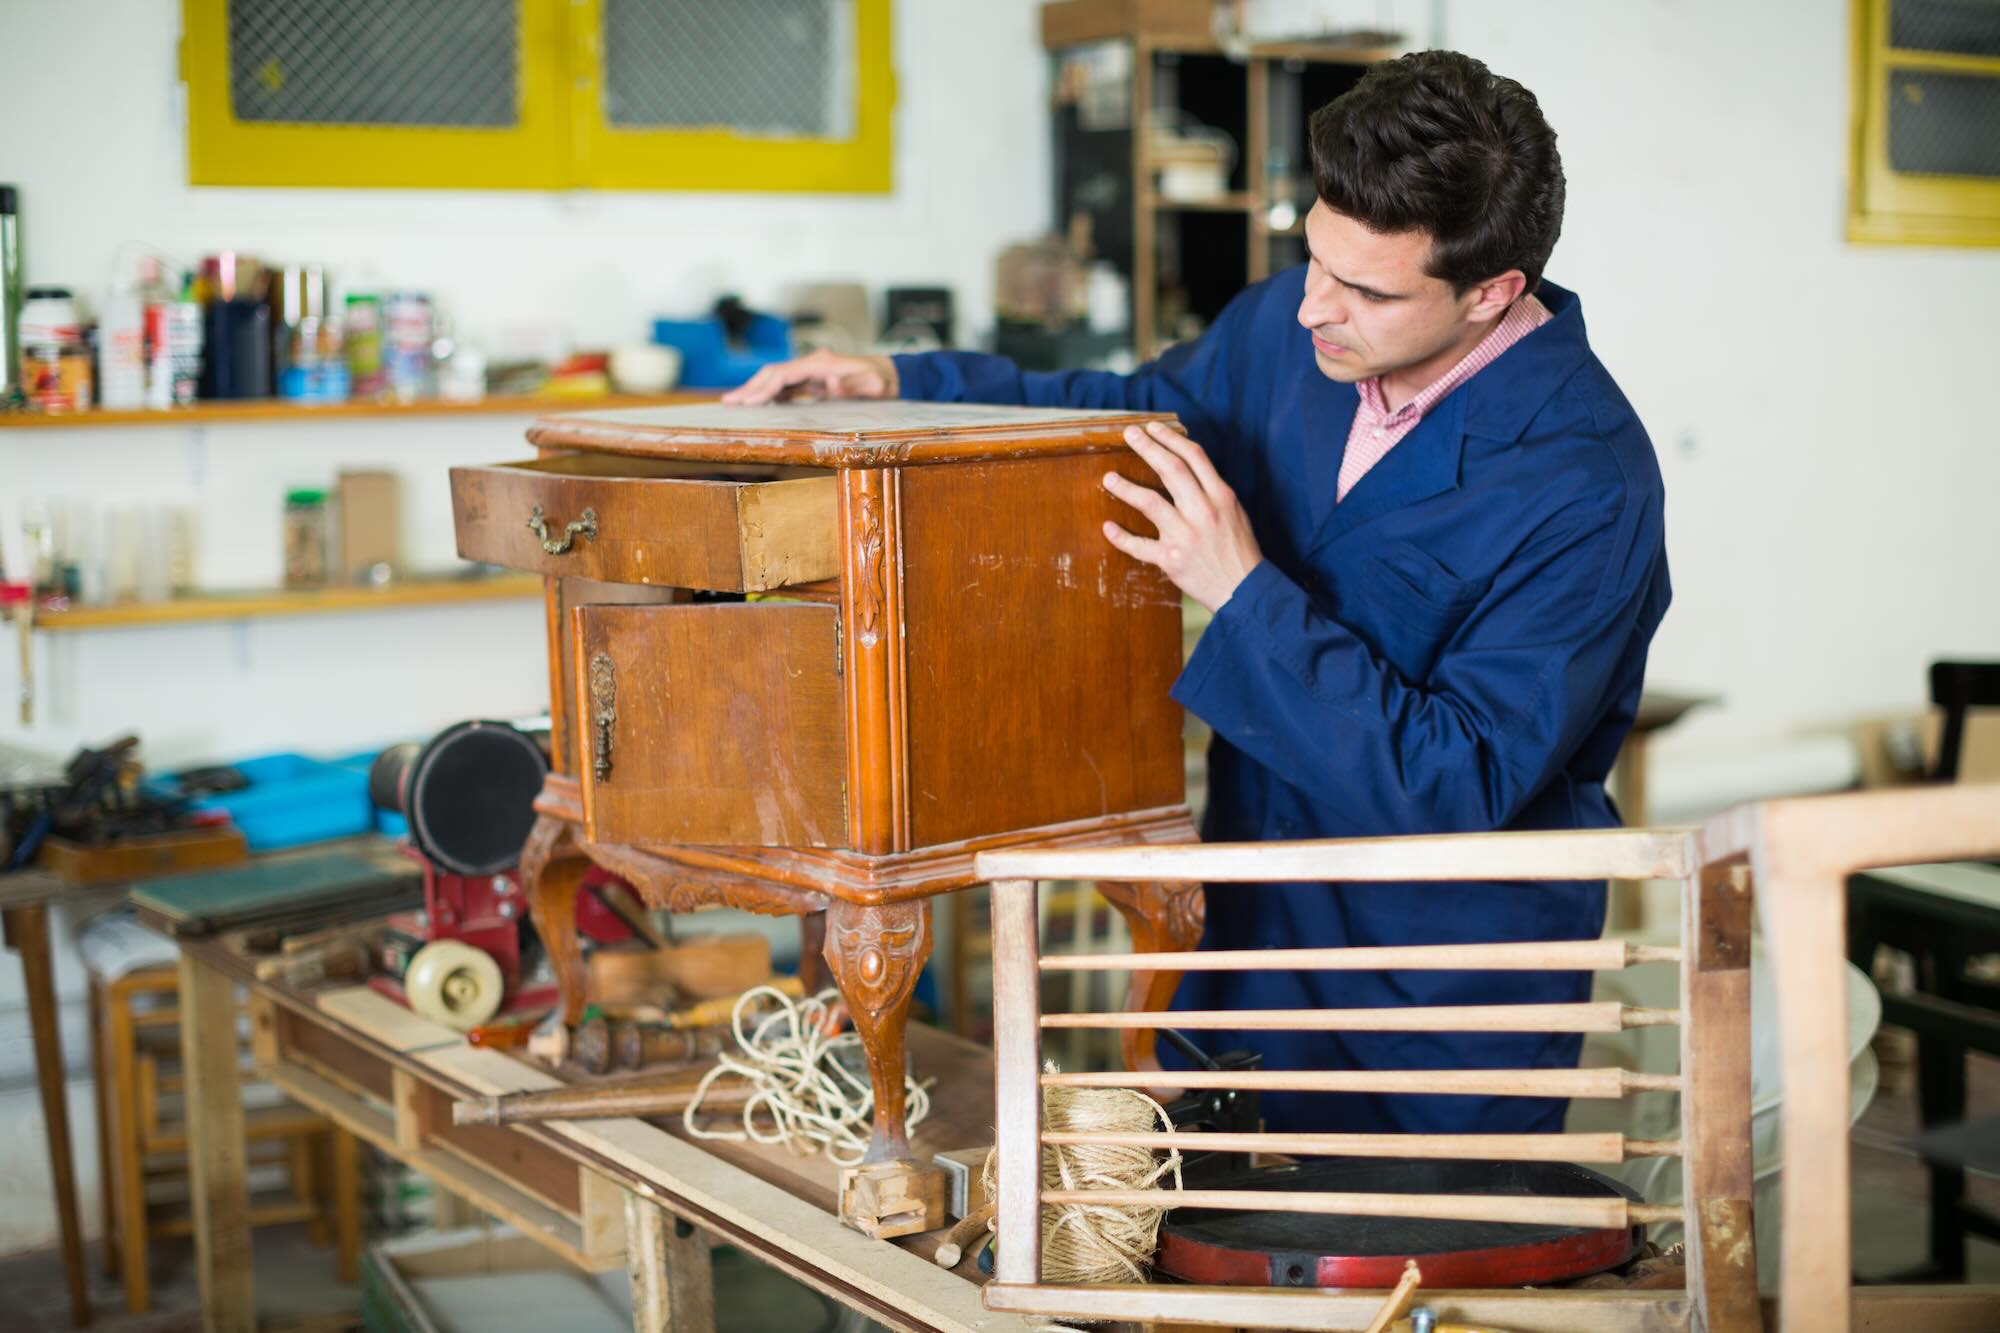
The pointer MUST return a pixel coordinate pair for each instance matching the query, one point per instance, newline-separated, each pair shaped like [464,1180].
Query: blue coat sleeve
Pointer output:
[1200,382]
[1518,685]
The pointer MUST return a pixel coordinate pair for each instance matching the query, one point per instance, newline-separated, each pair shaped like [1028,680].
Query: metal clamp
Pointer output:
[582,527]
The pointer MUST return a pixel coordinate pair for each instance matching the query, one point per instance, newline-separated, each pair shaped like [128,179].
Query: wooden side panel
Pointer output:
[673,531]
[1037,657]
[716,725]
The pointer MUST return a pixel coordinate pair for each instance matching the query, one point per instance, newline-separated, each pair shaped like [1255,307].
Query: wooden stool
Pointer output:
[1798,854]
[135,1062]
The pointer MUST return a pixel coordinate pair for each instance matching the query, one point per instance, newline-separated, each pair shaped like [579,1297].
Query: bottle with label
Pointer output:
[121,346]
[55,362]
[305,538]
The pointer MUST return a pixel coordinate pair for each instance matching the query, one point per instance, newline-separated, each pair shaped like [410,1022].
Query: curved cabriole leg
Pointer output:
[875,954]
[552,867]
[1162,917]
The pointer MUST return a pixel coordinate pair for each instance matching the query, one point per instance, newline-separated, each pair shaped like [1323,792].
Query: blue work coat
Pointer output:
[1456,646]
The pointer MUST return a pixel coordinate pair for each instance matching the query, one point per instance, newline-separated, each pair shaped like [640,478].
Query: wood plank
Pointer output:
[889,1283]
[1552,956]
[1527,1311]
[217,1152]
[601,1213]
[259,604]
[383,1021]
[1600,1082]
[673,1279]
[1580,854]
[496,1196]
[1606,1016]
[1716,913]
[1017,1098]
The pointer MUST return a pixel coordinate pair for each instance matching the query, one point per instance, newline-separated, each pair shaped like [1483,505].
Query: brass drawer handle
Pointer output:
[582,527]
[603,713]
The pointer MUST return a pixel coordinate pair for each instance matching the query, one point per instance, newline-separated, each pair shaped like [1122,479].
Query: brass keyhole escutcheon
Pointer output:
[603,713]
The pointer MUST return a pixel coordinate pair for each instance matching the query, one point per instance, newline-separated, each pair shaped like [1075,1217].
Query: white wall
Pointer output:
[1827,414]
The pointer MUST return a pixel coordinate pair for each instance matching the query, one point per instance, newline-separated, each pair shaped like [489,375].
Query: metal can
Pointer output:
[365,373]
[55,377]
[406,345]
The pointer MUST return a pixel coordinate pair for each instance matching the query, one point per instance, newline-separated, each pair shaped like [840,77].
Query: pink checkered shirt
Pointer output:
[1377,430]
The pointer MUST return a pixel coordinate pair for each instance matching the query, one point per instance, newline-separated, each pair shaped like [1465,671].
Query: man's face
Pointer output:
[1369,305]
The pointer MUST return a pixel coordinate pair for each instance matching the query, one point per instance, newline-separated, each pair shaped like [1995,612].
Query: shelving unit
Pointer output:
[1180,255]
[258,604]
[272,409]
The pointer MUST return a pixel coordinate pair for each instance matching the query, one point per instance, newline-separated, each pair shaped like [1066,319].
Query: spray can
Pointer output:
[406,346]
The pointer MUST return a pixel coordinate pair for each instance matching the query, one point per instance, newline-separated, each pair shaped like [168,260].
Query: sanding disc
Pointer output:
[470,796]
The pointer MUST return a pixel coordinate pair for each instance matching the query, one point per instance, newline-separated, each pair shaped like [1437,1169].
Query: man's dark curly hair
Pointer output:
[1435,141]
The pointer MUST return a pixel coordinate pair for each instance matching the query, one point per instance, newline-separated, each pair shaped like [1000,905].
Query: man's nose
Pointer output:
[1320,308]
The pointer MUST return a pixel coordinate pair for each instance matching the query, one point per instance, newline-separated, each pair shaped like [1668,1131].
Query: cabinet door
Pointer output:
[711,725]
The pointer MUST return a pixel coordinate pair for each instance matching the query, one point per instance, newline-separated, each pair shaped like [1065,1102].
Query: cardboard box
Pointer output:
[369,517]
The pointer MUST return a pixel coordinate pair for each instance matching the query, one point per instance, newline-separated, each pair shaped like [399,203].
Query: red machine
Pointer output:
[468,794]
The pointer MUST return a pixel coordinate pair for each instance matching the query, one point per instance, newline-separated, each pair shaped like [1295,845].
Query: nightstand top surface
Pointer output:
[842,434]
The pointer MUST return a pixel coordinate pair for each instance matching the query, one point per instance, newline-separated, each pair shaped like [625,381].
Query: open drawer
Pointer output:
[658,521]
[711,725]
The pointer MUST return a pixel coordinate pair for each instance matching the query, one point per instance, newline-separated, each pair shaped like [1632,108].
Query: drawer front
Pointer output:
[711,725]
[619,520]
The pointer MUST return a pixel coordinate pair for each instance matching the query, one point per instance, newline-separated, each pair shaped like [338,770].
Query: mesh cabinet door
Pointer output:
[737,95]
[461,93]
[1926,149]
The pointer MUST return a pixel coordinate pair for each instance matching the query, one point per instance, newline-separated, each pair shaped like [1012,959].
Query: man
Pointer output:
[1429,528]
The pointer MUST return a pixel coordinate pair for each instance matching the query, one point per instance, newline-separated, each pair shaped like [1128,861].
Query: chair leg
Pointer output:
[128,1167]
[305,1186]
[100,1092]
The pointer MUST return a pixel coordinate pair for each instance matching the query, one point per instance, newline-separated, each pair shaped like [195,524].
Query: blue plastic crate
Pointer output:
[707,360]
[291,800]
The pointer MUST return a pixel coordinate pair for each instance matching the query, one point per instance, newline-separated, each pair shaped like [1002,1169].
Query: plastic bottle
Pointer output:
[121,346]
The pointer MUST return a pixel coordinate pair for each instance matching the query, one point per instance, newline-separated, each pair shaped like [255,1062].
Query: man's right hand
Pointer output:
[823,374]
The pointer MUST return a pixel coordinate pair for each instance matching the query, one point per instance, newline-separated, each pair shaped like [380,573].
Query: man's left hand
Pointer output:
[1205,545]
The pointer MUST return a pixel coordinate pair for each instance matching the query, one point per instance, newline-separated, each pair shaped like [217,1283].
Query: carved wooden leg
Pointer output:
[876,954]
[1162,917]
[812,952]
[552,868]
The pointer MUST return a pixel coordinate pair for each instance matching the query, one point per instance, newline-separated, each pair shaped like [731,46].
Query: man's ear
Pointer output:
[1491,298]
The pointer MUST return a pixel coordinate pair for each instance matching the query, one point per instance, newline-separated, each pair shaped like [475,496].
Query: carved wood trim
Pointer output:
[872,659]
[876,954]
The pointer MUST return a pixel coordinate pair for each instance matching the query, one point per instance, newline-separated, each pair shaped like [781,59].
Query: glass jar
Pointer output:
[305,538]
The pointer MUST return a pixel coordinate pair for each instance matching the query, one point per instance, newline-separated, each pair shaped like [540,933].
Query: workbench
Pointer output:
[603,1194]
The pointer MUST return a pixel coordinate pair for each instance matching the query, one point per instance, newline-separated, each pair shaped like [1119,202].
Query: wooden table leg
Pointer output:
[876,954]
[673,1280]
[552,869]
[1162,917]
[216,1151]
[27,930]
[346,1205]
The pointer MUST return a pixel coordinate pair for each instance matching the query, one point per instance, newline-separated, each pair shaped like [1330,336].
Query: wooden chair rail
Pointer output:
[1582,854]
[1556,956]
[1545,1210]
[1603,1082]
[1604,1016]
[1578,1147]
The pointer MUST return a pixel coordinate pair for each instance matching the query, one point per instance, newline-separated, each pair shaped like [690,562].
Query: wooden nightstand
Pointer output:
[933,651]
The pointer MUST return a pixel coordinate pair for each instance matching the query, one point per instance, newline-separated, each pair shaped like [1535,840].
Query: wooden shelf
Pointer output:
[226,412]
[1221,203]
[257,604]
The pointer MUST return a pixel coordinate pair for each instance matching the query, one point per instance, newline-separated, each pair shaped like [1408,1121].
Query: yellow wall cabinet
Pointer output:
[788,95]
[1925,131]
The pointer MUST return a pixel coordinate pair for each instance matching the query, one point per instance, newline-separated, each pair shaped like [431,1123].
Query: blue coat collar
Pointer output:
[1497,403]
